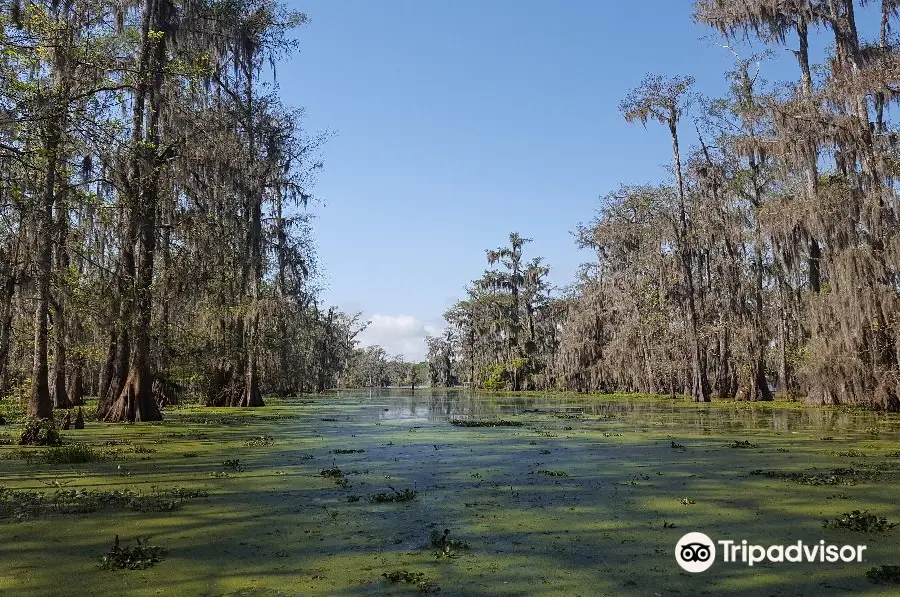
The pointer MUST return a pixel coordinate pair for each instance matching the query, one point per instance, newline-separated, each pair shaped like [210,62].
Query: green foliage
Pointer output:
[550,473]
[838,476]
[22,504]
[260,441]
[742,444]
[445,546]
[40,432]
[407,495]
[136,557]
[417,579]
[884,574]
[860,521]
[496,377]
[72,454]
[488,423]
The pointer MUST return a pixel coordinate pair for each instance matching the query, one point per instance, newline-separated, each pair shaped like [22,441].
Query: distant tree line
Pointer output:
[770,259]
[373,367]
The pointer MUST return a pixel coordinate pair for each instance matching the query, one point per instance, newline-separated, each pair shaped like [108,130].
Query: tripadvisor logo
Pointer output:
[696,552]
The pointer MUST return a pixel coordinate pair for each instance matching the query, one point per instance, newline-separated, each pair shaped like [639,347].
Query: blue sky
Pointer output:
[458,122]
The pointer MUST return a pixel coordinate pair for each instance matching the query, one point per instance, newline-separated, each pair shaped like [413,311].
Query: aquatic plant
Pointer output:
[838,476]
[549,473]
[485,423]
[71,454]
[742,444]
[394,496]
[39,432]
[850,454]
[446,547]
[234,464]
[884,574]
[24,504]
[136,557]
[417,579]
[860,521]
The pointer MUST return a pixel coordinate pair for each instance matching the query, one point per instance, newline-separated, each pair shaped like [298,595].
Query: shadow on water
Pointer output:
[588,495]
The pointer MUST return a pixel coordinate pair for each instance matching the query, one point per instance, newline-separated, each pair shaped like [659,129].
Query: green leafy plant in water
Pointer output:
[488,423]
[850,454]
[40,432]
[72,454]
[22,504]
[406,495]
[838,476]
[445,546]
[860,521]
[885,574]
[742,444]
[676,446]
[339,451]
[234,465]
[260,441]
[552,473]
[333,473]
[136,557]
[416,579]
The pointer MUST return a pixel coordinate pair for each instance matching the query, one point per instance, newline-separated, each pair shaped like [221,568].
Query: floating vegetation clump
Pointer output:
[838,476]
[22,504]
[40,432]
[850,454]
[135,557]
[860,521]
[885,574]
[677,446]
[260,441]
[407,495]
[446,547]
[234,465]
[485,423]
[72,454]
[340,451]
[549,473]
[416,579]
[333,473]
[742,445]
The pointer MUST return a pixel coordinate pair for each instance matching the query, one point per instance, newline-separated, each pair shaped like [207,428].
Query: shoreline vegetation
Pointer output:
[156,241]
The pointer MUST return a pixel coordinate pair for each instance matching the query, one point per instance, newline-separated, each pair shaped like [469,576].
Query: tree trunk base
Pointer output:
[228,388]
[135,403]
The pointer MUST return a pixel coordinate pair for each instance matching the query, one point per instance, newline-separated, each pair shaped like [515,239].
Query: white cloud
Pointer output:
[403,334]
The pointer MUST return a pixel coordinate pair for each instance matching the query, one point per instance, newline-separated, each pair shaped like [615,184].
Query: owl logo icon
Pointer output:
[695,552]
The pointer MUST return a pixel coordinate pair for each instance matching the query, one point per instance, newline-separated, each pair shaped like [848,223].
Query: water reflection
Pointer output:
[436,405]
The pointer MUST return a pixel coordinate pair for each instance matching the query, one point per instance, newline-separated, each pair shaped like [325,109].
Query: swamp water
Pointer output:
[352,493]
